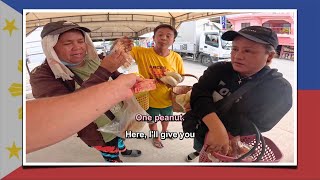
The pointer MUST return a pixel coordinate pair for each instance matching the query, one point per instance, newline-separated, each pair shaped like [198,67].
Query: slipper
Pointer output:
[192,156]
[134,153]
[157,144]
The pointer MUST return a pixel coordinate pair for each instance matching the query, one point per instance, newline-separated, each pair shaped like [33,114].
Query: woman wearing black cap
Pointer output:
[253,48]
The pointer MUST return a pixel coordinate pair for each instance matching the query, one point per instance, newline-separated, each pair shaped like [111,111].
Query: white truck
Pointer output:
[202,41]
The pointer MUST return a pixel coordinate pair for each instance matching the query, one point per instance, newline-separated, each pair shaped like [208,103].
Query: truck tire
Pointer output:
[206,60]
[182,54]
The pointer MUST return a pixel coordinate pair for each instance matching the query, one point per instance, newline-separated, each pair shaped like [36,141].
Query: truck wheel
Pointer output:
[206,60]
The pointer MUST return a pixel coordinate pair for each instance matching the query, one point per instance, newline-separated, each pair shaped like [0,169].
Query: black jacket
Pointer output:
[265,104]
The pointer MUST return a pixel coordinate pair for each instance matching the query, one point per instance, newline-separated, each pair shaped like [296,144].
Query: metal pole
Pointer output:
[28,66]
[173,24]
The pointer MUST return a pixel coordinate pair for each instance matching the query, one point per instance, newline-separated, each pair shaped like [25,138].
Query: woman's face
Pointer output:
[249,57]
[71,47]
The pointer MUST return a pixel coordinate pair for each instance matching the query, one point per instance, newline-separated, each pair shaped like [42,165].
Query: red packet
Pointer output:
[144,85]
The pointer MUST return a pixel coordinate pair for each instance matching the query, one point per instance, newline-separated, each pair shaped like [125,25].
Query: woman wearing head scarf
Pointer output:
[72,63]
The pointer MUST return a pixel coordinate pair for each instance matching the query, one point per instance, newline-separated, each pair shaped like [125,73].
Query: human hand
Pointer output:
[217,137]
[114,60]
[119,55]
[217,141]
[124,84]
[122,44]
[187,107]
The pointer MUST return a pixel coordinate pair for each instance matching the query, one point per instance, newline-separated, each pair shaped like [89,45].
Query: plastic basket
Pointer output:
[272,152]
[263,150]
[143,99]
[182,89]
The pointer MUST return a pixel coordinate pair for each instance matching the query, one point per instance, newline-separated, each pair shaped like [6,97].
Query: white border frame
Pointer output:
[294,163]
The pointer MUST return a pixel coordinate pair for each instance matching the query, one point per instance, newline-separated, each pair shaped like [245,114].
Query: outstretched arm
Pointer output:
[50,120]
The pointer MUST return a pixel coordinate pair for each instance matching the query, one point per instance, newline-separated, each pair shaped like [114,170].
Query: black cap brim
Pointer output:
[230,35]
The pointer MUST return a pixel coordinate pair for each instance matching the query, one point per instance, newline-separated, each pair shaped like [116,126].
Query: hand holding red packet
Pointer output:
[144,85]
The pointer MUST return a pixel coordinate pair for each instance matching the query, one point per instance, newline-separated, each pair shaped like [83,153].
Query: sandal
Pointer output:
[133,153]
[157,144]
[109,160]
[192,156]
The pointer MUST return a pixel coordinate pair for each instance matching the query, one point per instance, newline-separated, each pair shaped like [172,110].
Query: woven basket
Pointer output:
[183,89]
[143,99]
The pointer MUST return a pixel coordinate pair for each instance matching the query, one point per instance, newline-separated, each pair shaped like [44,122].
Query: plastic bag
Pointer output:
[125,119]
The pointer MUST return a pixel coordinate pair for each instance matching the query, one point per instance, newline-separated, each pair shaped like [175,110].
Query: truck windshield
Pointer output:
[212,39]
[226,44]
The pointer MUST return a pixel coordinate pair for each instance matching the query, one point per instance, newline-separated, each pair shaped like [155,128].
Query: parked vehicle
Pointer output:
[202,41]
[100,49]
